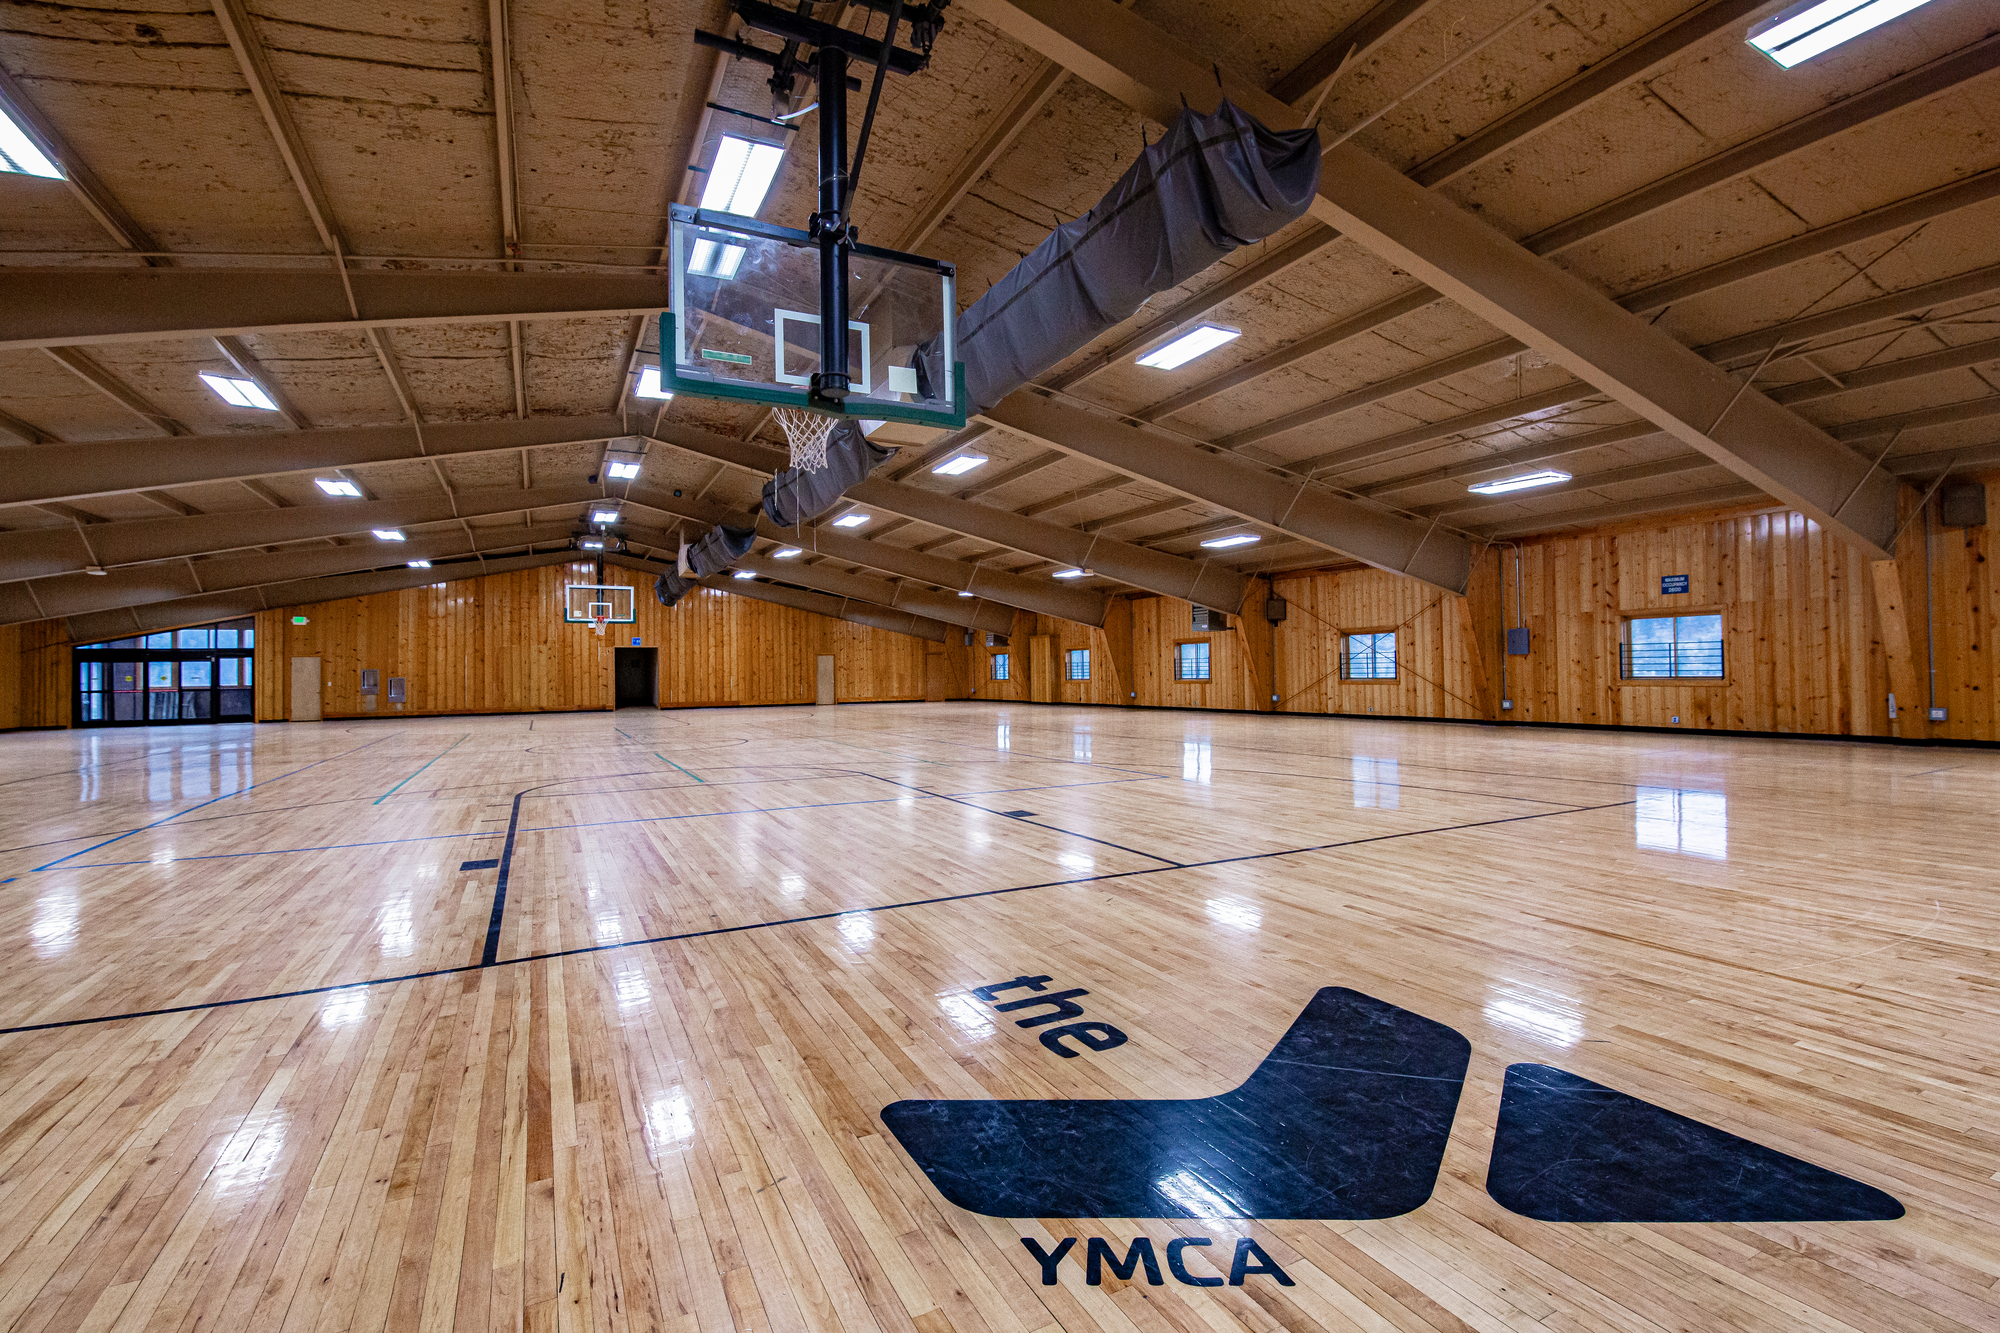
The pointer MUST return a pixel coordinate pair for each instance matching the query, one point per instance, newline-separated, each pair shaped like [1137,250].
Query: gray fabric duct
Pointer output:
[1212,183]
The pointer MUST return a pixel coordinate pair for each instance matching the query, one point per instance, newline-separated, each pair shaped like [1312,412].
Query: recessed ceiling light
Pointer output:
[785,554]
[959,466]
[1804,31]
[338,486]
[743,574]
[239,393]
[625,471]
[850,520]
[649,384]
[1237,539]
[965,594]
[604,516]
[19,154]
[1197,340]
[1071,573]
[420,564]
[1526,481]
[740,175]
[712,259]
[389,535]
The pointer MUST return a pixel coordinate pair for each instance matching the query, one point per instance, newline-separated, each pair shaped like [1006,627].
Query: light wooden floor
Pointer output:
[625,1132]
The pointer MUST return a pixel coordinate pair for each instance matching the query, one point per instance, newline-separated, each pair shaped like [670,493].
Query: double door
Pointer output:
[152,689]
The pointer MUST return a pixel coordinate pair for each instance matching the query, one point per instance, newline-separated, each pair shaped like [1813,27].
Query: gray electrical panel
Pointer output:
[1963,504]
[1274,610]
[396,688]
[1517,642]
[371,681]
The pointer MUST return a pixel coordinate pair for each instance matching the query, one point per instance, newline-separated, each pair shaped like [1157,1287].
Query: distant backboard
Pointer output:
[614,603]
[745,322]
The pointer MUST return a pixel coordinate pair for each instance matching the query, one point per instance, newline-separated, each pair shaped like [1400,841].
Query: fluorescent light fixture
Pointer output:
[625,471]
[388,535]
[1197,340]
[740,175]
[1071,573]
[786,554]
[239,393]
[959,466]
[850,520]
[1526,481]
[742,574]
[1237,539]
[604,516]
[19,154]
[1806,30]
[649,383]
[338,486]
[420,564]
[591,545]
[965,594]
[713,259]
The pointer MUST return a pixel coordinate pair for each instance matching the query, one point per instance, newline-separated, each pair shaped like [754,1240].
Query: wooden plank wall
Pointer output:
[1803,641]
[499,645]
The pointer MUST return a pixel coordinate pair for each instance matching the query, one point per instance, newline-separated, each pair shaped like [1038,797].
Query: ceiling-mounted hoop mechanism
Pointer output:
[832,228]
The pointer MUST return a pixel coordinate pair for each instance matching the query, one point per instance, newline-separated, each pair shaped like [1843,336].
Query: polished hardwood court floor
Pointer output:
[282,1051]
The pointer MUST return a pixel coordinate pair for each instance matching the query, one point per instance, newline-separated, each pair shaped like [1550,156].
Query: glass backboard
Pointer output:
[614,603]
[745,322]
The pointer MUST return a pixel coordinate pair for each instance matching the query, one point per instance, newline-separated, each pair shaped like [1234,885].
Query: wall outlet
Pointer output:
[1937,714]
[1506,705]
[1675,720]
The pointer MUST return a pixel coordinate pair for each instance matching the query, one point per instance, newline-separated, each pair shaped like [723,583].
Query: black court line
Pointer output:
[791,921]
[1022,818]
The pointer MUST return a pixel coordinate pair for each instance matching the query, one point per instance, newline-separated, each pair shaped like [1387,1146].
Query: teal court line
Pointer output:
[662,758]
[427,763]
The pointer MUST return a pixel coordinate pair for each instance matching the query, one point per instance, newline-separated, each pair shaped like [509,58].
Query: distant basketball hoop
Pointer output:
[599,605]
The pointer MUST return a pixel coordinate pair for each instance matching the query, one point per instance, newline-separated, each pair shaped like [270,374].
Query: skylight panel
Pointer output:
[786,554]
[1237,539]
[388,535]
[420,564]
[1197,341]
[649,383]
[740,176]
[239,393]
[338,486]
[1526,481]
[624,471]
[604,516]
[850,520]
[18,153]
[712,259]
[959,466]
[742,574]
[1070,573]
[1810,29]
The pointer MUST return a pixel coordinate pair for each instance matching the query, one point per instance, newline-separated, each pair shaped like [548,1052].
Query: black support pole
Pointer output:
[830,224]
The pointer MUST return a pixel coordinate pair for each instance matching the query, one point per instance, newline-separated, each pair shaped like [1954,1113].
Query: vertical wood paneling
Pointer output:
[1803,641]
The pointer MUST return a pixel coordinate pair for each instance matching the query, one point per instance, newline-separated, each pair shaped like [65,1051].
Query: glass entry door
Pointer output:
[204,673]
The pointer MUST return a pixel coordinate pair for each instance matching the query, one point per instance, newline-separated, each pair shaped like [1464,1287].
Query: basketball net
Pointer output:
[597,624]
[808,433]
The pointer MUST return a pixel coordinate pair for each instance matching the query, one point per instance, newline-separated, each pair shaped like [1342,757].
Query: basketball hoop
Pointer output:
[597,624]
[808,433]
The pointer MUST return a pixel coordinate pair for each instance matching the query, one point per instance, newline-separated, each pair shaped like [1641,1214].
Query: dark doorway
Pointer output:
[637,673]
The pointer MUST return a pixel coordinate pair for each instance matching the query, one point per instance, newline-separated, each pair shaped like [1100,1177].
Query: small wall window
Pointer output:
[1369,657]
[1078,667]
[1191,661]
[999,667]
[1671,647]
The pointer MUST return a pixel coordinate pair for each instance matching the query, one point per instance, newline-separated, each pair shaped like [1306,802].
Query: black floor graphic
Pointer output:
[1346,1118]
[1569,1150]
[492,864]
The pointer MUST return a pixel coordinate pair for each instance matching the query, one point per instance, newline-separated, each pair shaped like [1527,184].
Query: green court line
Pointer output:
[427,763]
[663,759]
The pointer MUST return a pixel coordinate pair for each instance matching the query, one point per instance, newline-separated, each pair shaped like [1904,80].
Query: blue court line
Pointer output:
[205,804]
[663,759]
[427,763]
[579,950]
[277,851]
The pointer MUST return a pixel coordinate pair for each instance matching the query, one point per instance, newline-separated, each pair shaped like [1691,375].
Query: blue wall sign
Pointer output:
[1669,585]
[636,643]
